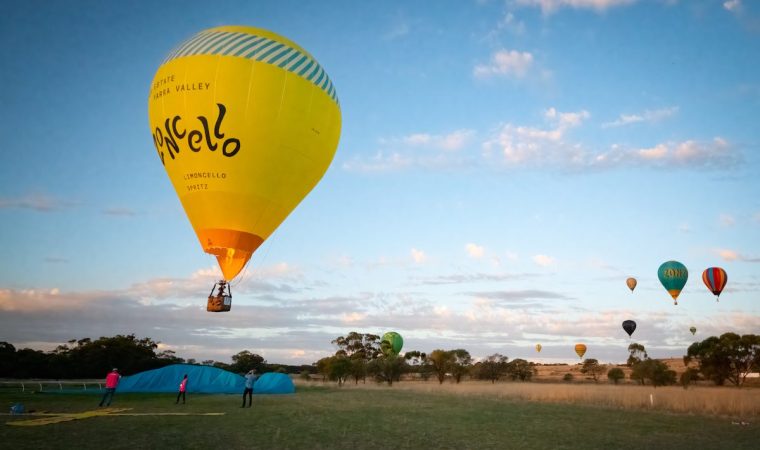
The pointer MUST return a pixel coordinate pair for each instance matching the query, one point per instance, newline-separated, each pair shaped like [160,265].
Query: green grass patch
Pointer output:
[333,418]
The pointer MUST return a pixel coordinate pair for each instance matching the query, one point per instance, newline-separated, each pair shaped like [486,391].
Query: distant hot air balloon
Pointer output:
[538,348]
[246,123]
[715,279]
[693,330]
[391,343]
[631,282]
[673,276]
[629,326]
[580,350]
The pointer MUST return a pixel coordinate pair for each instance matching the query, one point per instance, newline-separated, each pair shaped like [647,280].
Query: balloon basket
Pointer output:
[222,301]
[219,303]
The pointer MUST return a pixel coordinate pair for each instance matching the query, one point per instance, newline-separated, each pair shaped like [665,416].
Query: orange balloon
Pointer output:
[580,349]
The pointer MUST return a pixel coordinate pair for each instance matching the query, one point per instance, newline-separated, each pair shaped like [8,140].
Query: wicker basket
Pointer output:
[219,303]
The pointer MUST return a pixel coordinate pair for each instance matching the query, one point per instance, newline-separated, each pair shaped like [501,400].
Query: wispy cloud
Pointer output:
[119,212]
[56,260]
[733,5]
[727,220]
[544,260]
[525,146]
[647,117]
[418,256]
[37,202]
[417,150]
[505,63]
[474,250]
[551,6]
[733,255]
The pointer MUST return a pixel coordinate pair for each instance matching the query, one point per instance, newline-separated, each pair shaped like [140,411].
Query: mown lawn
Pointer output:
[333,418]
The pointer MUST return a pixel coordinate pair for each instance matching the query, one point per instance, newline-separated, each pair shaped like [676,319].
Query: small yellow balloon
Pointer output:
[580,350]
[246,123]
[538,348]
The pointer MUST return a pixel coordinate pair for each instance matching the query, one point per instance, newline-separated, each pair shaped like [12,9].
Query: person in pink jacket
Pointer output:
[112,380]
[182,389]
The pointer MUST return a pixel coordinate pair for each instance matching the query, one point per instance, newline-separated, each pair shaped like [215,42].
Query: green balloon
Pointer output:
[673,276]
[391,343]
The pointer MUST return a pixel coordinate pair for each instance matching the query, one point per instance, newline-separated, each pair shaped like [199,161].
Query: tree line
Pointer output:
[727,358]
[88,358]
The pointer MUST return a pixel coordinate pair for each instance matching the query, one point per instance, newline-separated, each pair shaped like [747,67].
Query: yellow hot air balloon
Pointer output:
[538,348]
[631,283]
[246,123]
[580,350]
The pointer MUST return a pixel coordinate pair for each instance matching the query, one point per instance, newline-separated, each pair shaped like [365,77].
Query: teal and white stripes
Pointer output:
[256,48]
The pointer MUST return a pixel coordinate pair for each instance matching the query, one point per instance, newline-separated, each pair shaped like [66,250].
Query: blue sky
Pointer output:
[503,167]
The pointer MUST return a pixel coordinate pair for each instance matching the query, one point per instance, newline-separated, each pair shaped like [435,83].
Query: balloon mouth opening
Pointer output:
[232,248]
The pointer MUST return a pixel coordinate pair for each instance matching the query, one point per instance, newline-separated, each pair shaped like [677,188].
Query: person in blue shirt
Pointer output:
[250,379]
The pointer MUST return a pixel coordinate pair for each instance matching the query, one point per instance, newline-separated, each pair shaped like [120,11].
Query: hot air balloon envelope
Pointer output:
[538,348]
[629,326]
[673,276]
[391,343]
[715,279]
[580,350]
[631,283]
[245,122]
[693,330]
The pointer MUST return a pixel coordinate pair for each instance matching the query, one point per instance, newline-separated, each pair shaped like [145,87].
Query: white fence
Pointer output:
[50,385]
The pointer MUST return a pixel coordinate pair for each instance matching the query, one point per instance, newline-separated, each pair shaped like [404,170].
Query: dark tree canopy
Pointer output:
[729,357]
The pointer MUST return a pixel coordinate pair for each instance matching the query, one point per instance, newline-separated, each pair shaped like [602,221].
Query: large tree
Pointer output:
[418,363]
[441,361]
[492,368]
[387,368]
[461,362]
[245,361]
[592,368]
[520,369]
[729,357]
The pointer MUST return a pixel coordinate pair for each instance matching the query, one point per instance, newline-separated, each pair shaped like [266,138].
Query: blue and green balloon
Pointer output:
[673,276]
[391,343]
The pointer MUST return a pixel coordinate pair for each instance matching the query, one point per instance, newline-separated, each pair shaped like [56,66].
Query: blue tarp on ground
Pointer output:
[200,379]
[274,383]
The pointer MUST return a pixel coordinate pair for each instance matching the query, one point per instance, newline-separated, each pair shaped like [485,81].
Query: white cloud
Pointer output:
[517,146]
[727,220]
[550,6]
[37,202]
[474,250]
[119,211]
[529,145]
[733,255]
[423,150]
[418,256]
[732,5]
[728,255]
[449,142]
[543,260]
[509,63]
[647,116]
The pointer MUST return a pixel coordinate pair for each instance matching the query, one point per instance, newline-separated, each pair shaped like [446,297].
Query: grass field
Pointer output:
[366,418]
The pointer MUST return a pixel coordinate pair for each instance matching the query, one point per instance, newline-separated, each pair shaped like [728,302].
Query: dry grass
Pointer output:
[716,401]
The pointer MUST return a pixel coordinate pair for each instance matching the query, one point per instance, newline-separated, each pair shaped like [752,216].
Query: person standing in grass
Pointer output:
[112,380]
[182,389]
[250,379]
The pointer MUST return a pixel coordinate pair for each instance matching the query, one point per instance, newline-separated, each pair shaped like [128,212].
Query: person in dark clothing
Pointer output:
[250,379]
